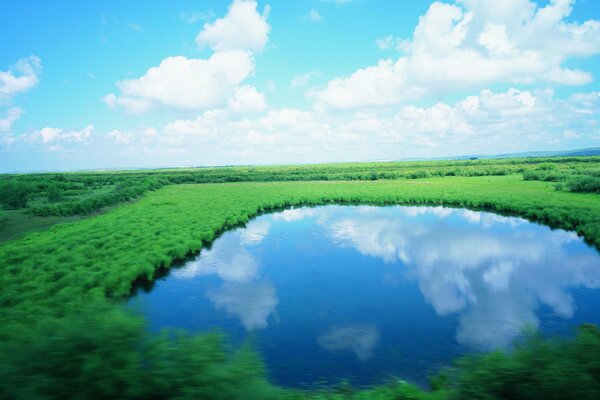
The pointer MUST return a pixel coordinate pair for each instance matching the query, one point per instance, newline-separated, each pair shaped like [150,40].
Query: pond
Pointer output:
[364,293]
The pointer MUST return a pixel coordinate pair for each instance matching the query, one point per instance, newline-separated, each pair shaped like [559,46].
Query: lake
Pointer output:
[364,293]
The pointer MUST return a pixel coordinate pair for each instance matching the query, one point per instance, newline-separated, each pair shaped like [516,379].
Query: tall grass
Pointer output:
[51,338]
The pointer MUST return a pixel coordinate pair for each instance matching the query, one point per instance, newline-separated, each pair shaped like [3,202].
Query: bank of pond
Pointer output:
[338,302]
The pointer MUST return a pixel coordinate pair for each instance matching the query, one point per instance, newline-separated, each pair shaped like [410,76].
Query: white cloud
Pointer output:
[247,100]
[243,28]
[488,122]
[132,105]
[470,45]
[54,136]
[379,85]
[202,84]
[301,80]
[314,16]
[120,137]
[185,83]
[21,77]
[11,116]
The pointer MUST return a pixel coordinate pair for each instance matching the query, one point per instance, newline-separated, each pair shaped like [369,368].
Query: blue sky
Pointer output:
[139,84]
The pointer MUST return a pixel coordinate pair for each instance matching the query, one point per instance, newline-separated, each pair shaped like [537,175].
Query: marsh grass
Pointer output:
[50,278]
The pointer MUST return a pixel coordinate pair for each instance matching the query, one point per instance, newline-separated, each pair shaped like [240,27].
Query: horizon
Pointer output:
[122,86]
[463,157]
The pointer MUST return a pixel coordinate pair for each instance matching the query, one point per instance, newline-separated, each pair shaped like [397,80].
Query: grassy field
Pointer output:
[50,275]
[26,201]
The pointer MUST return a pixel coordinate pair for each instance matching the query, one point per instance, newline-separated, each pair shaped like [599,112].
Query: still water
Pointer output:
[365,293]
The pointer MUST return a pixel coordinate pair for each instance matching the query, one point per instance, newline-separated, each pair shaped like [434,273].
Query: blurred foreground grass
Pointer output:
[105,352]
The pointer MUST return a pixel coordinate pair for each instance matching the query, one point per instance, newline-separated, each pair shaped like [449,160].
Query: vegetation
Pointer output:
[49,278]
[537,369]
[106,353]
[84,193]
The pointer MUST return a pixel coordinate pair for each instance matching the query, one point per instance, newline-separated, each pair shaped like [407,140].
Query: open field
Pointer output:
[29,199]
[53,276]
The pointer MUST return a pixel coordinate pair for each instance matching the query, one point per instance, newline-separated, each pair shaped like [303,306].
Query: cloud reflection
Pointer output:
[493,272]
[242,293]
[251,302]
[360,339]
[495,278]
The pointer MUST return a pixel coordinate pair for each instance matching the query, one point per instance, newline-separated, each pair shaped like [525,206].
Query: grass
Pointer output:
[100,257]
[15,223]
[54,274]
[85,193]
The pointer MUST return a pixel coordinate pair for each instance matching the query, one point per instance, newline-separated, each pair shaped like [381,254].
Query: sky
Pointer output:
[128,84]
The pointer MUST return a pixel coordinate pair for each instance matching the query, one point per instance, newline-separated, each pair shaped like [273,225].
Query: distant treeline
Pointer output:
[81,193]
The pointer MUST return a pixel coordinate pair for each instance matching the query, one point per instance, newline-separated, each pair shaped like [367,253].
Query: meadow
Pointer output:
[63,280]
[67,196]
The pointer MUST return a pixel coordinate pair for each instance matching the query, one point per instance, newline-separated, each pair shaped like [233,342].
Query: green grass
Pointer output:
[85,193]
[100,257]
[15,223]
[56,273]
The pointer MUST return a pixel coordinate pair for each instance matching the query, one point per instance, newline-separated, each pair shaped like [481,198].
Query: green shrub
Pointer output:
[14,194]
[537,369]
[103,352]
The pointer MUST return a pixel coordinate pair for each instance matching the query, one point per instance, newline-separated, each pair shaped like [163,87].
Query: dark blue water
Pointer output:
[365,293]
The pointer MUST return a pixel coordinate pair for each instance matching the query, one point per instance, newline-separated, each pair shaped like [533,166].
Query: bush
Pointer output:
[584,184]
[537,369]
[103,352]
[54,193]
[14,194]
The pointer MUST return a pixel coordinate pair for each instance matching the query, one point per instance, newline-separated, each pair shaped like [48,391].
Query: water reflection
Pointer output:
[494,278]
[251,302]
[377,291]
[360,339]
[241,295]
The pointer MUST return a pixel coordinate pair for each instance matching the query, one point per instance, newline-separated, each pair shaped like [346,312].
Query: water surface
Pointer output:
[364,293]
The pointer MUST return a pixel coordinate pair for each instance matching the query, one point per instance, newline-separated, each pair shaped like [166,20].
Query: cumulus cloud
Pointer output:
[506,121]
[469,45]
[53,137]
[243,28]
[203,84]
[186,83]
[247,99]
[21,77]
